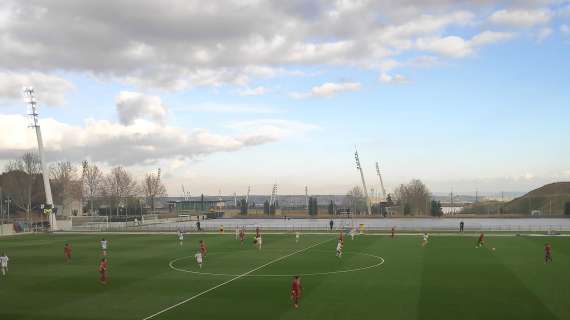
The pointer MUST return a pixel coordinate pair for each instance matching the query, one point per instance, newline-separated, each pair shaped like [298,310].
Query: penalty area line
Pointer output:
[232,280]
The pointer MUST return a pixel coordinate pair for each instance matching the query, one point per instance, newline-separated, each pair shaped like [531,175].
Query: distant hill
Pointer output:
[550,198]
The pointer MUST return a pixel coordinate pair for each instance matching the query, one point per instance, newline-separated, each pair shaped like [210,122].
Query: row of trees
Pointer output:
[22,184]
[413,198]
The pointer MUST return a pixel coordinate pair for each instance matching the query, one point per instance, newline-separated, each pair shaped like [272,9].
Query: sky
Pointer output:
[221,95]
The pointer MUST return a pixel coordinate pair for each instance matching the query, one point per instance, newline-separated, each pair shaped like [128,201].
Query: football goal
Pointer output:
[91,223]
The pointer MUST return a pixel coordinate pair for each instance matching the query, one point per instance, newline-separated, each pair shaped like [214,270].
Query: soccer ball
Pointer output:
[493,249]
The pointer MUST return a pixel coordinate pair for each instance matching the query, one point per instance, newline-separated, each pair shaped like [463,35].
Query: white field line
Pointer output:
[381,234]
[377,264]
[232,279]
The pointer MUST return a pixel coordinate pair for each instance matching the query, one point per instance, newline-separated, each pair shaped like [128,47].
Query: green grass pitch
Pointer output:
[449,279]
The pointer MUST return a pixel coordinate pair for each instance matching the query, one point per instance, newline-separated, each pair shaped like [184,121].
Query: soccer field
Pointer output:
[377,277]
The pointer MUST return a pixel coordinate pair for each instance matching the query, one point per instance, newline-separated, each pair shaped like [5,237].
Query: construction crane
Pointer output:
[381,182]
[359,167]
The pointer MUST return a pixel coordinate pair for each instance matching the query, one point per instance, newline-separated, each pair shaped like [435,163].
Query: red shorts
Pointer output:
[103,275]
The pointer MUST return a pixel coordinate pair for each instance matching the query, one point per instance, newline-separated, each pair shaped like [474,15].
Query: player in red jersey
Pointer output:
[341,237]
[103,266]
[481,240]
[547,253]
[203,248]
[67,252]
[241,236]
[296,291]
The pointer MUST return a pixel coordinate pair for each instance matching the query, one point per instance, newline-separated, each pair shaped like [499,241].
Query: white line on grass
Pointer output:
[380,259]
[232,279]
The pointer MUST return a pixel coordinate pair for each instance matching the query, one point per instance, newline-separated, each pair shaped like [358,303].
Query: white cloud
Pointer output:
[521,18]
[230,108]
[328,89]
[188,46]
[565,29]
[257,91]
[138,143]
[457,47]
[543,34]
[451,46]
[134,105]
[49,90]
[266,130]
[395,79]
[490,37]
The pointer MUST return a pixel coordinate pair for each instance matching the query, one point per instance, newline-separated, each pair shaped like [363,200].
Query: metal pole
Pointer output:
[45,172]
[359,167]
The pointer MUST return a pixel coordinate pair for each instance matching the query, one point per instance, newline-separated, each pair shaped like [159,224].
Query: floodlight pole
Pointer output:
[45,173]
[381,182]
[359,167]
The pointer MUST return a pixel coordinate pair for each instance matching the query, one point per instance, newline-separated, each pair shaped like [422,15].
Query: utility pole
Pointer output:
[45,173]
[359,167]
[306,197]
[8,203]
[451,202]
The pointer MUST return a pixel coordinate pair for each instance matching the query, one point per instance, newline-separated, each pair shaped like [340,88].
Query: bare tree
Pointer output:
[413,198]
[355,200]
[65,185]
[19,181]
[119,186]
[152,188]
[92,183]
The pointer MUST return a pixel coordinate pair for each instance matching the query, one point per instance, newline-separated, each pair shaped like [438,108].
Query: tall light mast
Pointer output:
[273,195]
[247,195]
[359,167]
[381,182]
[33,113]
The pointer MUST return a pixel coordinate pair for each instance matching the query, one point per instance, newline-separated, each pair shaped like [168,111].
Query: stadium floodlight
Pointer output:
[359,168]
[273,195]
[33,113]
[381,182]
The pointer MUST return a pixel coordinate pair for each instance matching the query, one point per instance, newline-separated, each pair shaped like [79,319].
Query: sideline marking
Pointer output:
[233,279]
[380,259]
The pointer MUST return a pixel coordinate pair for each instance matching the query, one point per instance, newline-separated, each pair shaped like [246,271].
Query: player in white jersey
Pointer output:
[104,246]
[258,241]
[339,249]
[425,239]
[199,260]
[237,232]
[180,237]
[297,236]
[4,263]
[352,233]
